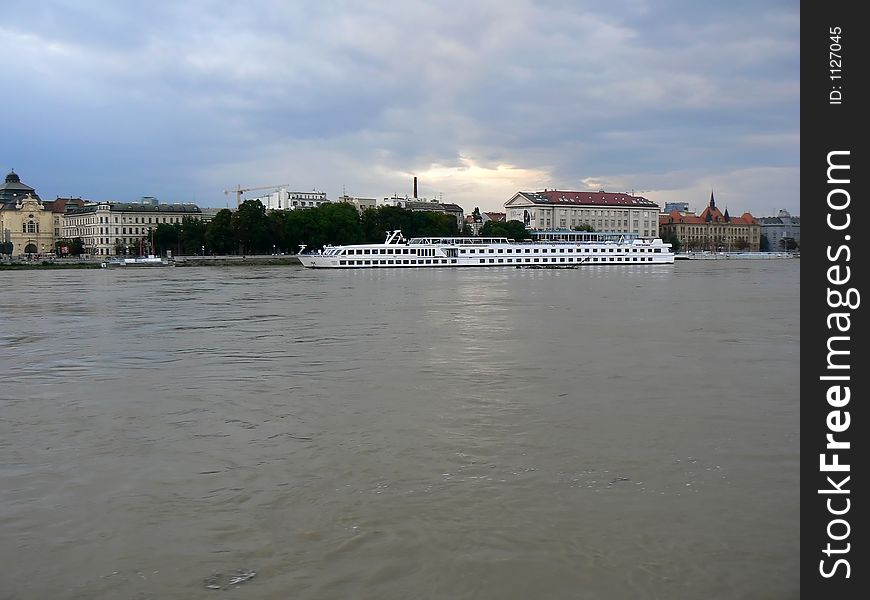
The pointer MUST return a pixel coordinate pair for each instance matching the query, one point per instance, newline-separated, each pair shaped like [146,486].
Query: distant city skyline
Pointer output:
[183,101]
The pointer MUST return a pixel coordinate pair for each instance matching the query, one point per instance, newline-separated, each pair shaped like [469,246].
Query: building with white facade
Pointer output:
[779,228]
[208,214]
[284,199]
[103,226]
[603,211]
[361,204]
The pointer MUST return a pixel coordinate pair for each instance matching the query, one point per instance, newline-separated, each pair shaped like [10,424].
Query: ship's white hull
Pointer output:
[319,262]
[418,253]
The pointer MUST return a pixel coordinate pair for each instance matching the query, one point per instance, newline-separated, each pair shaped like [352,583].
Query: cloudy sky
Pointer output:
[114,100]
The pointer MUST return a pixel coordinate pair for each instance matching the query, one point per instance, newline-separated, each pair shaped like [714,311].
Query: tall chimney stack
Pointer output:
[415,186]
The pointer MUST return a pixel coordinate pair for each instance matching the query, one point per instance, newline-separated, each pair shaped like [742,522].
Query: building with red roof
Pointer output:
[712,229]
[603,211]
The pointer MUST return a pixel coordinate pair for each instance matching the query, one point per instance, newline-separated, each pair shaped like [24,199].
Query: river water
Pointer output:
[598,433]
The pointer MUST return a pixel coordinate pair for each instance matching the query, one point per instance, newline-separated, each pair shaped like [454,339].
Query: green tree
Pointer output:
[166,237]
[514,230]
[251,227]
[674,241]
[192,235]
[377,222]
[219,233]
[788,244]
[431,224]
[74,246]
[517,231]
[337,222]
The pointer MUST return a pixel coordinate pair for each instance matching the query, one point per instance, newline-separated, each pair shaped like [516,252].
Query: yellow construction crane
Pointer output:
[240,190]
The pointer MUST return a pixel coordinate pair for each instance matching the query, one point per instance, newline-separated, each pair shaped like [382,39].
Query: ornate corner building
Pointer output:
[28,226]
[712,230]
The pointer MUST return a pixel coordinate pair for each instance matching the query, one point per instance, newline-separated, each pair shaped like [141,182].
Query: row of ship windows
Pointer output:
[579,250]
[415,252]
[571,259]
[444,261]
[406,261]
[431,252]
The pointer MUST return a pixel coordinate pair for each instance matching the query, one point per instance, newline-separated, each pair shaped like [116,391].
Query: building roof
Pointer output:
[184,207]
[425,205]
[779,220]
[12,189]
[599,198]
[708,216]
[61,205]
[711,214]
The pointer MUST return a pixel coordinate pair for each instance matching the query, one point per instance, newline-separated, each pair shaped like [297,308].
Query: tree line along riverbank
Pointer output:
[251,230]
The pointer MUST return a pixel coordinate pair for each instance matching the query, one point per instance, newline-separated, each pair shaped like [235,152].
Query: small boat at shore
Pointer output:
[139,261]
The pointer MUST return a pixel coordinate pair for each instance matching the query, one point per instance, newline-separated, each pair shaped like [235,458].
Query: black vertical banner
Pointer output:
[834,173]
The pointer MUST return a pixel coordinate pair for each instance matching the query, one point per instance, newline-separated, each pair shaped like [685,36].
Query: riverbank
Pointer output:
[23,265]
[178,261]
[230,261]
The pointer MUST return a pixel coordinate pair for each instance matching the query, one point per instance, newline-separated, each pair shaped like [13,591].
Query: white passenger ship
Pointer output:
[487,252]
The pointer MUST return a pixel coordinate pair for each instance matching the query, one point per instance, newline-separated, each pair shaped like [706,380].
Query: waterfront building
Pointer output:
[208,214]
[477,219]
[416,204]
[419,205]
[779,228]
[284,199]
[104,227]
[603,211]
[712,230]
[29,225]
[361,204]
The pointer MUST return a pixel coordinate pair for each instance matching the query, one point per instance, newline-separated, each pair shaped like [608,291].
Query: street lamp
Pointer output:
[203,250]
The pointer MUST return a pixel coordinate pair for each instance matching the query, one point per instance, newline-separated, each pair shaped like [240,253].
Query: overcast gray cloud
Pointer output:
[181,100]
